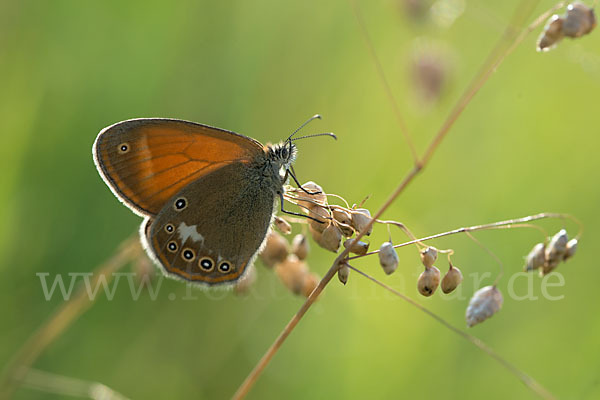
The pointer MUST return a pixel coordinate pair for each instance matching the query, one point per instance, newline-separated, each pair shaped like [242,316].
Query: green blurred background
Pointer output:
[527,143]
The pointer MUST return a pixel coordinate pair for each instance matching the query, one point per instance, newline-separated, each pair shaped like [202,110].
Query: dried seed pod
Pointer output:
[536,257]
[571,249]
[341,216]
[315,195]
[344,220]
[276,249]
[330,239]
[451,280]
[283,226]
[484,303]
[428,281]
[343,273]
[243,286]
[292,272]
[359,248]
[300,246]
[388,258]
[311,281]
[346,230]
[555,250]
[551,35]
[321,215]
[580,20]
[428,256]
[361,217]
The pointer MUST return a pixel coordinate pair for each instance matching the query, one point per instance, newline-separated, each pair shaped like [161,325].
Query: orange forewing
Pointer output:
[162,156]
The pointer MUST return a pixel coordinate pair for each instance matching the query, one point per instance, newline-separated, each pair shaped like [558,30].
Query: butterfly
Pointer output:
[207,195]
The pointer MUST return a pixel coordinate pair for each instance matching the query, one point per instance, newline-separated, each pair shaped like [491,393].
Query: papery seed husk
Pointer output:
[300,246]
[311,281]
[388,258]
[428,256]
[330,239]
[341,216]
[347,230]
[451,280]
[361,217]
[551,35]
[556,248]
[484,303]
[319,218]
[306,200]
[275,250]
[243,286]
[343,274]
[292,272]
[428,281]
[359,248]
[536,257]
[571,249]
[283,226]
[580,20]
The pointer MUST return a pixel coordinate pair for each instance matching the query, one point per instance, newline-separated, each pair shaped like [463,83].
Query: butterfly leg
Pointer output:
[295,213]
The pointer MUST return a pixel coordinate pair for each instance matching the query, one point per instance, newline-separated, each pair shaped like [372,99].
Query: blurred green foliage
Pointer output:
[527,143]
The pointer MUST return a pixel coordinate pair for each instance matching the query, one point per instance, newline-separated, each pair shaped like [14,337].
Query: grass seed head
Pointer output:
[551,35]
[388,258]
[283,226]
[300,246]
[428,256]
[343,273]
[361,217]
[428,281]
[555,251]
[580,20]
[359,248]
[451,280]
[536,257]
[311,281]
[276,249]
[484,303]
[330,239]
[571,249]
[315,195]
[292,272]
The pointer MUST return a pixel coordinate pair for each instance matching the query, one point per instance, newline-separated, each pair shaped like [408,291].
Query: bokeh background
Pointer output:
[527,143]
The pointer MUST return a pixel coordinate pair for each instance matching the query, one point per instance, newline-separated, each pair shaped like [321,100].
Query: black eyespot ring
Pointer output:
[188,254]
[206,264]
[224,267]
[180,204]
[172,246]
[169,228]
[123,148]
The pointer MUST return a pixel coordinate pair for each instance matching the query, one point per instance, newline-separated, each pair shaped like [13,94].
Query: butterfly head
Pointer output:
[282,154]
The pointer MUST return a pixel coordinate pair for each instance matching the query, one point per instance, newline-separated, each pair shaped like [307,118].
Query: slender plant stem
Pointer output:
[526,379]
[65,315]
[522,13]
[509,223]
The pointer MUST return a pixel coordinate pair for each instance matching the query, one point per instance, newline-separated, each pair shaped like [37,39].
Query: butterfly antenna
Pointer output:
[317,134]
[316,116]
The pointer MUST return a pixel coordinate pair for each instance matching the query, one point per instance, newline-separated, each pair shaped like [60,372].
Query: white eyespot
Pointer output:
[169,228]
[188,254]
[124,148]
[172,246]
[225,267]
[206,264]
[180,204]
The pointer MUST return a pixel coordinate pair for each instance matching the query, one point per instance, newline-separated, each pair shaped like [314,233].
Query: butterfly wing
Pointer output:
[147,161]
[212,229]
